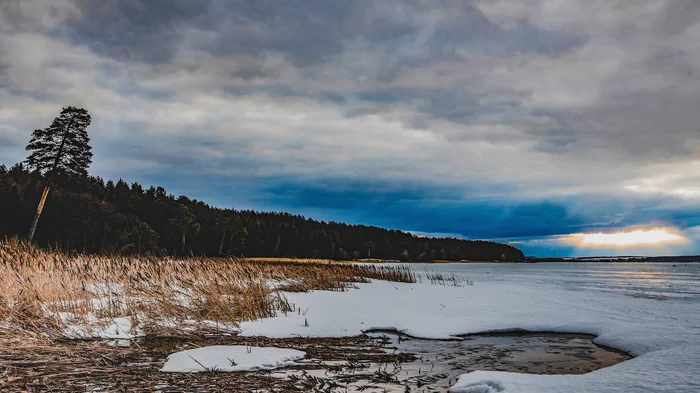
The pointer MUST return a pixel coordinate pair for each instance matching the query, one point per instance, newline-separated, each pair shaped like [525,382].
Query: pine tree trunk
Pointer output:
[38,213]
[183,242]
[47,188]
[63,145]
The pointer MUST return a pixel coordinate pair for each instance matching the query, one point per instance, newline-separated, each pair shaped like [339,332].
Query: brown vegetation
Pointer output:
[77,366]
[45,292]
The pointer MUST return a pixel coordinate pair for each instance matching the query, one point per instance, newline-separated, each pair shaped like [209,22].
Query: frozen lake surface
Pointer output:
[649,310]
[652,280]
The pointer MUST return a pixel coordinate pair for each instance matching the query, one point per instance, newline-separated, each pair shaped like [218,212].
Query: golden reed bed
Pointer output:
[52,294]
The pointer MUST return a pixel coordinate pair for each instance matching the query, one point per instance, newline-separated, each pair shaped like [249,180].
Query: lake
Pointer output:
[650,280]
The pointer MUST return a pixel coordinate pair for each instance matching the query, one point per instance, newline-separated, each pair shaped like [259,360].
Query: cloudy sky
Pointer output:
[552,124]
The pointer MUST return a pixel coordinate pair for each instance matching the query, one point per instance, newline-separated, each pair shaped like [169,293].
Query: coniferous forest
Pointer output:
[87,214]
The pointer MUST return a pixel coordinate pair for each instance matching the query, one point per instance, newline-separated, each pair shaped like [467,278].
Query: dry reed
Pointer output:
[58,295]
[447,280]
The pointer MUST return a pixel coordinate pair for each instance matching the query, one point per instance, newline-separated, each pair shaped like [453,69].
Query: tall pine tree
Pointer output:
[63,147]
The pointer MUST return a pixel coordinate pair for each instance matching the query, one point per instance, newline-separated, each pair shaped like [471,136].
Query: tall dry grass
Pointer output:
[58,295]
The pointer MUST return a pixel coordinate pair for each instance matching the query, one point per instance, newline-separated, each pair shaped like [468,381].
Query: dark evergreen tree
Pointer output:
[62,148]
[184,221]
[369,245]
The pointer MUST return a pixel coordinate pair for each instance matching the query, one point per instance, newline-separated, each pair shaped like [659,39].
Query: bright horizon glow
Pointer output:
[641,237]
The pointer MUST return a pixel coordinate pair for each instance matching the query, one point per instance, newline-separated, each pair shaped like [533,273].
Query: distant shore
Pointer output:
[669,259]
[672,259]
[366,260]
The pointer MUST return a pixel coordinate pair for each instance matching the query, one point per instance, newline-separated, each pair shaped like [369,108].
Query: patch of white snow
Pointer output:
[230,358]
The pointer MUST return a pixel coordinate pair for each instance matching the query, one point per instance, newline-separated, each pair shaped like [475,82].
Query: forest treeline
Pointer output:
[87,214]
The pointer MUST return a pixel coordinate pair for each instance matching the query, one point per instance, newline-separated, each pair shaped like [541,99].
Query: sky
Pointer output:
[561,127]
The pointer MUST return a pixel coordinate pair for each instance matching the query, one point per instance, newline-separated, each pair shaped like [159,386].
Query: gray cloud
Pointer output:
[587,98]
[133,30]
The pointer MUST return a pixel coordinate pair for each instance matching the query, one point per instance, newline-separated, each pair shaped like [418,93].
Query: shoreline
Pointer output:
[346,362]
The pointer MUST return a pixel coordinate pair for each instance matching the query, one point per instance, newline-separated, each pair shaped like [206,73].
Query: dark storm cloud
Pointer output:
[306,31]
[134,30]
[402,206]
[679,16]
[154,30]
[484,118]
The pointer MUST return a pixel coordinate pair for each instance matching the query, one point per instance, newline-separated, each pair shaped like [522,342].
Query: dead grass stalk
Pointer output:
[58,295]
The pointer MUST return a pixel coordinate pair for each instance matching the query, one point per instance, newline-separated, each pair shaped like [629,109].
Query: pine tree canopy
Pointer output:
[64,146]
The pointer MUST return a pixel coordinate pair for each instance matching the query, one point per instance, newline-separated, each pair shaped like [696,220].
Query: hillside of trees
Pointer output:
[87,214]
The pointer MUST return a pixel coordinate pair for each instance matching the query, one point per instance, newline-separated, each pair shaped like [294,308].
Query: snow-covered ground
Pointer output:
[230,358]
[651,311]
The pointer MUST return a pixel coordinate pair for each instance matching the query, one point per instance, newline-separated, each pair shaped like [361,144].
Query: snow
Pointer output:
[662,331]
[230,358]
[118,328]
[673,370]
